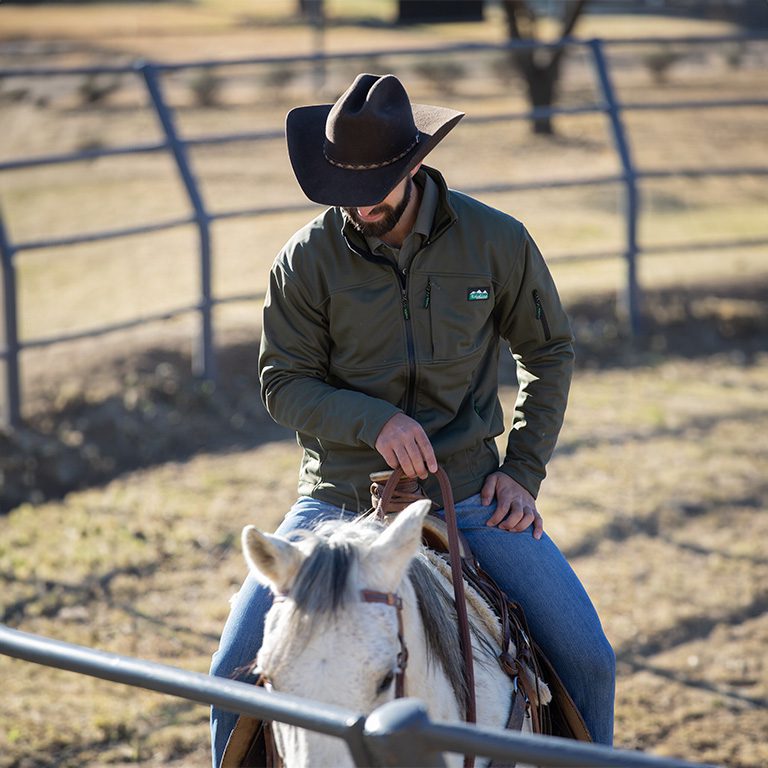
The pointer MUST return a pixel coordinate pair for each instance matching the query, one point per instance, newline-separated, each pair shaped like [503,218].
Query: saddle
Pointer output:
[251,742]
[561,716]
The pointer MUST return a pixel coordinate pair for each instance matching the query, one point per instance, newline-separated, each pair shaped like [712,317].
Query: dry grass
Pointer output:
[657,490]
[655,494]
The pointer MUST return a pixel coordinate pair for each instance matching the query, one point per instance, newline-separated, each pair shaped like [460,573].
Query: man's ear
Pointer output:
[414,170]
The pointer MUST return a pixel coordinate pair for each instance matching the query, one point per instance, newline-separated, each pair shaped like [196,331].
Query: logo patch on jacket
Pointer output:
[477,294]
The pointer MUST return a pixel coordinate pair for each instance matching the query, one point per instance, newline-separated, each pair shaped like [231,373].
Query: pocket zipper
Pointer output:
[541,316]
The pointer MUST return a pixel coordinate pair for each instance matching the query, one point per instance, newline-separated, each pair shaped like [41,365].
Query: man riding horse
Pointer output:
[381,333]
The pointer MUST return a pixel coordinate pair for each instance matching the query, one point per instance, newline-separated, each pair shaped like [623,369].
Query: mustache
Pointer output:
[379,209]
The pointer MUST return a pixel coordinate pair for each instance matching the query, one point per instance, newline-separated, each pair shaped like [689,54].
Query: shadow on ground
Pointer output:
[151,408]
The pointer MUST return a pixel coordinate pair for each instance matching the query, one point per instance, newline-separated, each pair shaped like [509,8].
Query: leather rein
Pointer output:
[458,586]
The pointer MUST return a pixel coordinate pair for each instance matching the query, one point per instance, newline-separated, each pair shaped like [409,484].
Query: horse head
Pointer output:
[322,639]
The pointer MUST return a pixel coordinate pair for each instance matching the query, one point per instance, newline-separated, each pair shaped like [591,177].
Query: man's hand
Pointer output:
[515,507]
[403,443]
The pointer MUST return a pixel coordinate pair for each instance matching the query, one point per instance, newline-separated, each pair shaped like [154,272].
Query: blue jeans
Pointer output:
[534,573]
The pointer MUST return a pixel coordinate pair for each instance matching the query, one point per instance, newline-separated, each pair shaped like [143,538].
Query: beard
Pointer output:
[388,222]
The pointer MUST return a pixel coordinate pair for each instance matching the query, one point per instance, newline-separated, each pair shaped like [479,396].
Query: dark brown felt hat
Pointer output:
[354,152]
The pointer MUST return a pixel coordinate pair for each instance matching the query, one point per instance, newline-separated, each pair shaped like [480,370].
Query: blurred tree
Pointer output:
[310,8]
[539,66]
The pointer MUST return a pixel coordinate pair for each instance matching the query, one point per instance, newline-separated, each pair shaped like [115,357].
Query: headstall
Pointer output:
[369,596]
[393,599]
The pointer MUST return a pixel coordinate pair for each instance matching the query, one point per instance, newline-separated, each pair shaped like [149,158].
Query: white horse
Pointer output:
[323,641]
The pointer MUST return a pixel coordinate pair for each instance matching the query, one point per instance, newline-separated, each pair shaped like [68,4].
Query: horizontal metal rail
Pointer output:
[313,58]
[397,731]
[90,237]
[662,106]
[536,750]
[81,156]
[105,234]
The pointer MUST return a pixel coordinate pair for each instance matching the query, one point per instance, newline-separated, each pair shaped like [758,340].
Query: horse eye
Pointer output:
[386,682]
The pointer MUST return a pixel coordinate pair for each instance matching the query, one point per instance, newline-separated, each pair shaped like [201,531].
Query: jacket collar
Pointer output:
[445,216]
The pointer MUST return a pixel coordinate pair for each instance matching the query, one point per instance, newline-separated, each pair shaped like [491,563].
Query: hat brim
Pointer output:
[325,183]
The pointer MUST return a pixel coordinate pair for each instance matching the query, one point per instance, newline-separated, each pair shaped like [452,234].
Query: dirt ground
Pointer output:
[124,494]
[656,494]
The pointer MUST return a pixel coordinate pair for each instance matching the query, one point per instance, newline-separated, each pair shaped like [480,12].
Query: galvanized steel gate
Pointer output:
[398,734]
[201,215]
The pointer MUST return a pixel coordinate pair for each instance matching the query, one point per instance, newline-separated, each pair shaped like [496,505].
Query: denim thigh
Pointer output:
[560,614]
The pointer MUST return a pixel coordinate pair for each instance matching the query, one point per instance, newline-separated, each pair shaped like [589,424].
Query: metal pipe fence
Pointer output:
[399,733]
[609,104]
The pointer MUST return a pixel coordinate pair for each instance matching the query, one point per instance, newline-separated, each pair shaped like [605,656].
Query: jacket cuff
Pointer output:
[375,422]
[525,476]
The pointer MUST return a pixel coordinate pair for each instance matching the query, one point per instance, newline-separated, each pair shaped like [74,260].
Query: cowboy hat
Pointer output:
[354,152]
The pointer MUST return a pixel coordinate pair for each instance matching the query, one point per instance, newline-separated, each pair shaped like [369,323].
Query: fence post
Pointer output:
[632,293]
[204,360]
[11,411]
[392,735]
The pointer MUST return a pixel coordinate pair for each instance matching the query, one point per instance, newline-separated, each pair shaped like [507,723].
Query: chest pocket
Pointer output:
[461,314]
[365,325]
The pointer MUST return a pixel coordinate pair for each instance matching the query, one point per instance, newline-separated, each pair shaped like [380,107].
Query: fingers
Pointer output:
[515,507]
[488,491]
[426,450]
[519,517]
[508,504]
[490,488]
[538,526]
[403,443]
[410,459]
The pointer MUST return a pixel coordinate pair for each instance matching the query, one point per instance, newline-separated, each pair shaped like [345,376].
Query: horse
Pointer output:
[324,640]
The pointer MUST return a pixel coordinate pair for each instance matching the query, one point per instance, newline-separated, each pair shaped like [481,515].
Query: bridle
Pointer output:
[393,599]
[368,596]
[272,757]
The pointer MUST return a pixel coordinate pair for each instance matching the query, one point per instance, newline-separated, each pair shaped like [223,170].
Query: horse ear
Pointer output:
[274,561]
[390,555]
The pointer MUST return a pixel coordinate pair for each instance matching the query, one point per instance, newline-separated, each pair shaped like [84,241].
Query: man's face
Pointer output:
[377,220]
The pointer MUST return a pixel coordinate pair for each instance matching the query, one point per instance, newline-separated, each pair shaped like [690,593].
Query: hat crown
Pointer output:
[371,125]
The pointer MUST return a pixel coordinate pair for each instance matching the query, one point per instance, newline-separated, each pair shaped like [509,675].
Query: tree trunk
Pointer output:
[541,91]
[540,67]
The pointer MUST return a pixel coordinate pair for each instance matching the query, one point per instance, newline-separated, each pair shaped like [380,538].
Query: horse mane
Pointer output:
[324,585]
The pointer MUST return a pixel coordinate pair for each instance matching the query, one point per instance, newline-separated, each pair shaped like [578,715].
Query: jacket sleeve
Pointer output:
[532,320]
[294,364]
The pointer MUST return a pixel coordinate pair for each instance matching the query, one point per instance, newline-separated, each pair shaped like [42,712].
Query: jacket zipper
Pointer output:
[541,316]
[410,390]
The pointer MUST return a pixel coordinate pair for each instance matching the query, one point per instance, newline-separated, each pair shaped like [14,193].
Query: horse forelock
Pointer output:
[323,585]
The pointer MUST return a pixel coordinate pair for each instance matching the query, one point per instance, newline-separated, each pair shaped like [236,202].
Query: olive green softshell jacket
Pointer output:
[349,340]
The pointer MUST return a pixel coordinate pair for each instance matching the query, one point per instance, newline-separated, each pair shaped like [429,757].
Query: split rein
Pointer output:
[454,554]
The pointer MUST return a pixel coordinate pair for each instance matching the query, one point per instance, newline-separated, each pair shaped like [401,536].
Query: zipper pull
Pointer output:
[406,311]
[428,293]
